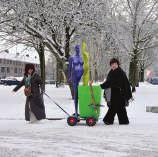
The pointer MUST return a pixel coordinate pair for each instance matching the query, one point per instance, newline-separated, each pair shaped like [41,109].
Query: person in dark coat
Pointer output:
[34,107]
[120,94]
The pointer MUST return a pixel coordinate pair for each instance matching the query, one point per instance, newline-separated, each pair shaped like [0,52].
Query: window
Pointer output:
[8,70]
[0,60]
[15,70]
[19,70]
[2,69]
[18,63]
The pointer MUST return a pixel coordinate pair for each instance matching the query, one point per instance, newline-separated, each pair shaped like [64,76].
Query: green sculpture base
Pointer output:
[86,106]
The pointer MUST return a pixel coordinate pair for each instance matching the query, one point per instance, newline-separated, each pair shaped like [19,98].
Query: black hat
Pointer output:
[114,60]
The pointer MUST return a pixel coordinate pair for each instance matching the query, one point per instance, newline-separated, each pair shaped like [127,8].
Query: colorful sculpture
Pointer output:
[75,72]
[86,64]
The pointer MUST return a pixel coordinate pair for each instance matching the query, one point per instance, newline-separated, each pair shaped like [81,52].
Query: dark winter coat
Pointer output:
[35,101]
[120,87]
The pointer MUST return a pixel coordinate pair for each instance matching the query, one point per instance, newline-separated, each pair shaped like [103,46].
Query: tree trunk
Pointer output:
[59,77]
[68,35]
[67,42]
[69,83]
[95,73]
[142,74]
[42,62]
[62,69]
[133,73]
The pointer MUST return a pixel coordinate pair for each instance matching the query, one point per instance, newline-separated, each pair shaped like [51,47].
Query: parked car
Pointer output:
[50,81]
[1,82]
[10,81]
[154,81]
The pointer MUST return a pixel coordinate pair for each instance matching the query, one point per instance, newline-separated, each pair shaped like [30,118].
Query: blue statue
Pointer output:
[75,72]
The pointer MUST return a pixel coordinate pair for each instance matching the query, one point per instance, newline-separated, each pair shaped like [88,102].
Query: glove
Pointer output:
[108,103]
[126,103]
[42,91]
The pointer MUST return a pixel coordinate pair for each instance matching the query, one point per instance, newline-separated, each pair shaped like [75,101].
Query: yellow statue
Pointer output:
[86,64]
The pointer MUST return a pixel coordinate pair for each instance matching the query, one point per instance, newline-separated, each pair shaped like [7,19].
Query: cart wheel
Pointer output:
[90,121]
[78,117]
[72,121]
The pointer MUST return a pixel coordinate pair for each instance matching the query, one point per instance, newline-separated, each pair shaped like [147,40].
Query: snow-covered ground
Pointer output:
[57,139]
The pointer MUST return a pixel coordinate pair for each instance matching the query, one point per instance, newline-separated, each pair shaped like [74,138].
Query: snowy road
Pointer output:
[57,139]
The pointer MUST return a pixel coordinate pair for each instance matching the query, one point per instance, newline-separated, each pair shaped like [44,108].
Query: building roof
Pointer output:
[22,57]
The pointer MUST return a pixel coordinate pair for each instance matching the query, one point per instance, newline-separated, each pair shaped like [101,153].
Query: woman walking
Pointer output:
[34,107]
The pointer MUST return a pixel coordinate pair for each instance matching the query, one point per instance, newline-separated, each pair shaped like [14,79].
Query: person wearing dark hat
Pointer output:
[34,107]
[120,93]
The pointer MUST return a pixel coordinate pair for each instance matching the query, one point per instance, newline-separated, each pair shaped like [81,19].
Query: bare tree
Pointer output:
[135,27]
